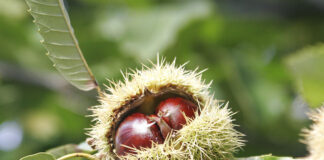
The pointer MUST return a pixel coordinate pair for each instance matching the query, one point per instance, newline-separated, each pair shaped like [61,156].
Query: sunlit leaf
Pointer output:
[39,156]
[70,148]
[58,38]
[307,66]
[63,150]
[266,157]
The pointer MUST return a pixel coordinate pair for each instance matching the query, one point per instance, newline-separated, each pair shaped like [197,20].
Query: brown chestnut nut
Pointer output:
[136,131]
[172,111]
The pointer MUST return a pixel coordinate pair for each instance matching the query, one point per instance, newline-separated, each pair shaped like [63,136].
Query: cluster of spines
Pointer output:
[314,136]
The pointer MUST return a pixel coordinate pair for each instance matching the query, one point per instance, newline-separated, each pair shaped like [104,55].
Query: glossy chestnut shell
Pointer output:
[137,130]
[174,110]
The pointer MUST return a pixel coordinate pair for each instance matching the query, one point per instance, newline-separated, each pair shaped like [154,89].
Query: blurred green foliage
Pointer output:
[308,67]
[248,47]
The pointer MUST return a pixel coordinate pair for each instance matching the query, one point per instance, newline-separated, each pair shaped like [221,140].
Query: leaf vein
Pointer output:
[49,28]
[75,73]
[45,14]
[70,67]
[81,79]
[62,58]
[57,44]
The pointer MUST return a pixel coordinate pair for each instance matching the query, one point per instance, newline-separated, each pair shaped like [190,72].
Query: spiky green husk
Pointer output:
[209,135]
[314,137]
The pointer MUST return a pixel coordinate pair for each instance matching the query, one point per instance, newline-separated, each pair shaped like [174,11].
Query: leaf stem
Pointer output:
[73,155]
[100,94]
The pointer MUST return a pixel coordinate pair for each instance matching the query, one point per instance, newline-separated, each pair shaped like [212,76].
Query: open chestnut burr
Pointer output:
[163,112]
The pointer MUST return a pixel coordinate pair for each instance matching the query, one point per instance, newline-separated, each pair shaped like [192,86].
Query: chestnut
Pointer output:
[172,111]
[136,131]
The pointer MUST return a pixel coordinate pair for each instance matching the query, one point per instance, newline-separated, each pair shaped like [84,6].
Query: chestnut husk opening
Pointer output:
[137,102]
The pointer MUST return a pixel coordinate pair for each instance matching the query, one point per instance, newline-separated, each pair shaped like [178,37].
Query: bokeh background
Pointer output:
[247,46]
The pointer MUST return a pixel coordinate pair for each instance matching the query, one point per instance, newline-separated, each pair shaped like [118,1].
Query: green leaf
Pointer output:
[63,150]
[63,49]
[39,156]
[70,148]
[307,67]
[265,157]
